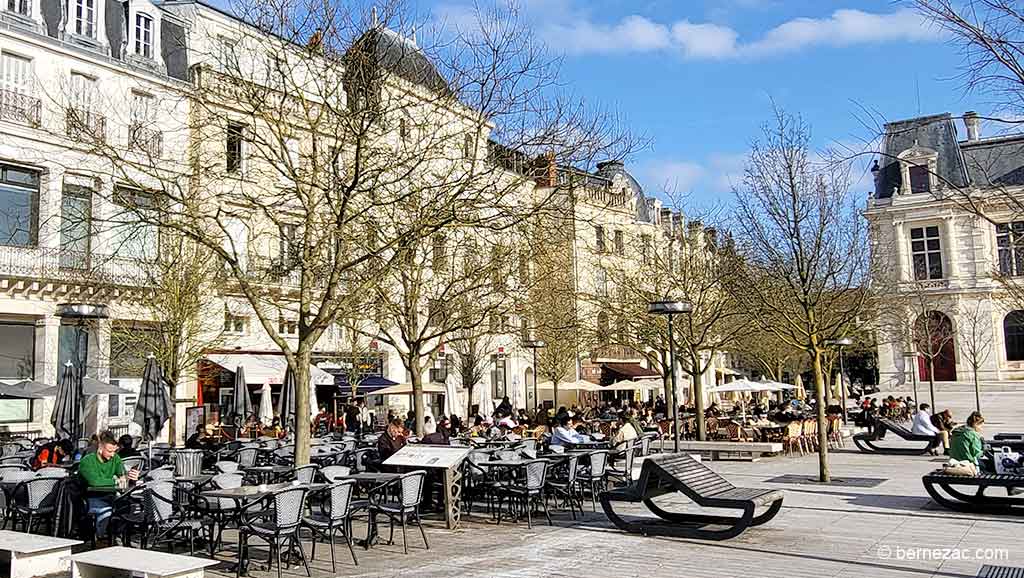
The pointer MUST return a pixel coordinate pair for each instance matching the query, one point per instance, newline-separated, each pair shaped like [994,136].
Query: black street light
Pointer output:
[671,308]
[841,343]
[535,344]
[80,313]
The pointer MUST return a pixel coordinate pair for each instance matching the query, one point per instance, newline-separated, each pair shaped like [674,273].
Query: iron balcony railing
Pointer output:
[146,140]
[20,108]
[64,265]
[85,126]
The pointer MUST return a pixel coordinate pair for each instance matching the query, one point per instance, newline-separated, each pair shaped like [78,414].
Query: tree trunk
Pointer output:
[819,381]
[416,376]
[469,402]
[977,392]
[302,410]
[698,399]
[931,382]
[554,393]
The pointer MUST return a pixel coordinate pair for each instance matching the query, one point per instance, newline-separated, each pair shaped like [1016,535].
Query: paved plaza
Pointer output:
[874,520]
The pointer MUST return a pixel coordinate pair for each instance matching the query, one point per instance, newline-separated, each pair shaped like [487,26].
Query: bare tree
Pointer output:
[471,351]
[687,264]
[321,145]
[804,246]
[975,336]
[179,333]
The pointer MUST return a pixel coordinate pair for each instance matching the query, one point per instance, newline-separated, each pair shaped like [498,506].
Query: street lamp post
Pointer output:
[535,344]
[911,357]
[841,343]
[80,313]
[671,308]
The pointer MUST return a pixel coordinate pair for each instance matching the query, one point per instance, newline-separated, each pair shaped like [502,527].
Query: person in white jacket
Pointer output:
[923,426]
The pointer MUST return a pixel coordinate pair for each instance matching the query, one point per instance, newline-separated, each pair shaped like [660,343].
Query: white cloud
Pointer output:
[669,175]
[580,35]
[631,34]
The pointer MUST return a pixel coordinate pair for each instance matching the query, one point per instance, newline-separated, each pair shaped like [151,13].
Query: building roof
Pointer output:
[984,162]
[396,54]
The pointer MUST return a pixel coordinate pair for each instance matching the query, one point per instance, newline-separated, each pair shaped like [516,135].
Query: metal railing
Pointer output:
[20,108]
[75,266]
[86,126]
[146,140]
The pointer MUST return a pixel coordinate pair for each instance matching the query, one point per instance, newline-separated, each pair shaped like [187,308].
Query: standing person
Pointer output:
[365,419]
[102,469]
[352,417]
[504,408]
[923,426]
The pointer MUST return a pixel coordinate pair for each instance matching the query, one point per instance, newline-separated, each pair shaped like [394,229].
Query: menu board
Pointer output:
[426,456]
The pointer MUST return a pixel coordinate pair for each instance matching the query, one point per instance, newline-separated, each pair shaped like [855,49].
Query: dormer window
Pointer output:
[18,7]
[918,168]
[144,35]
[85,18]
[919,179]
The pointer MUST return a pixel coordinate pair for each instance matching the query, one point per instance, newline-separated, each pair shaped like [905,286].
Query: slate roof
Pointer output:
[609,169]
[395,54]
[985,162]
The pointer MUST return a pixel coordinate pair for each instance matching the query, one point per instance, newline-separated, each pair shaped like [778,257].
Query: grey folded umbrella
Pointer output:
[65,415]
[286,402]
[242,407]
[153,408]
[27,389]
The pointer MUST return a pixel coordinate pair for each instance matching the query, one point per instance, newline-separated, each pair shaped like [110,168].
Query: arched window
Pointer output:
[1013,334]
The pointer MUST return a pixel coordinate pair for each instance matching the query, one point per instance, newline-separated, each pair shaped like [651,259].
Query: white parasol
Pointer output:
[485,400]
[266,413]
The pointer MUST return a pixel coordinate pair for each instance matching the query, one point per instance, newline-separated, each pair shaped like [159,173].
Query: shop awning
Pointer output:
[367,385]
[261,368]
[630,370]
[406,389]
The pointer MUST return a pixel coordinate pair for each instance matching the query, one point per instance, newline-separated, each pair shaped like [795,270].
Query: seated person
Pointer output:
[478,429]
[125,447]
[101,470]
[565,434]
[433,435]
[966,443]
[626,433]
[923,426]
[196,441]
[392,440]
[52,454]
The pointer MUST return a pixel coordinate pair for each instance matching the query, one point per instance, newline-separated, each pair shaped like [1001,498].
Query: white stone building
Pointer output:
[941,257]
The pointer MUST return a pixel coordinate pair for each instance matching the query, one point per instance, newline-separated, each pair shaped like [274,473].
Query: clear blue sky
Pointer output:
[698,76]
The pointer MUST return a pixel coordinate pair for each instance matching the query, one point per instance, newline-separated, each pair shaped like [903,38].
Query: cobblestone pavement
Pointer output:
[874,520]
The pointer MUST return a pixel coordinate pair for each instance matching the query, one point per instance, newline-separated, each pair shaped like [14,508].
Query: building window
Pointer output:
[599,233]
[134,233]
[498,376]
[19,206]
[919,179]
[234,323]
[1010,242]
[75,226]
[439,256]
[113,405]
[22,7]
[403,129]
[620,243]
[603,329]
[601,282]
[645,249]
[927,253]
[288,244]
[287,326]
[85,18]
[17,362]
[468,143]
[144,35]
[1013,334]
[235,139]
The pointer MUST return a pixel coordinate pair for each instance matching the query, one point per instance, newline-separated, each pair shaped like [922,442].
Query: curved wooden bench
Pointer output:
[679,473]
[976,501]
[866,442]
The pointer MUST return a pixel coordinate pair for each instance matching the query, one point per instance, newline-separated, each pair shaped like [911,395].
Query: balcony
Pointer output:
[66,266]
[85,126]
[145,140]
[20,108]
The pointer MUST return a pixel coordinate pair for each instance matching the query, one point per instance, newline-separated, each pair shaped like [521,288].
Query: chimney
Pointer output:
[973,124]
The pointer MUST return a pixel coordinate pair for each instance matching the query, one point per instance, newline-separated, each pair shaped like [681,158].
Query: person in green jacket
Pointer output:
[101,470]
[966,442]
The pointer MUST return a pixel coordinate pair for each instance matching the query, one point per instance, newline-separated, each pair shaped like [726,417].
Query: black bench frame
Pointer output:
[976,502]
[865,441]
[701,485]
